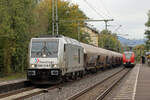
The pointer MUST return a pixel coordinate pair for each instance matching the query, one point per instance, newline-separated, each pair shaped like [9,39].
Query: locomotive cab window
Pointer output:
[44,48]
[128,55]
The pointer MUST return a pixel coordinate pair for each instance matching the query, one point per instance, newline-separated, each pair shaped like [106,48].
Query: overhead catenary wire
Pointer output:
[93,8]
[102,14]
[108,12]
[104,6]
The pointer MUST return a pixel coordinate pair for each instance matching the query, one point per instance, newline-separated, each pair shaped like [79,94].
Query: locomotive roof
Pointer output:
[67,40]
[87,48]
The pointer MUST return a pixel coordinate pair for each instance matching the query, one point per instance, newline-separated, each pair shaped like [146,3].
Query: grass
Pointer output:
[13,76]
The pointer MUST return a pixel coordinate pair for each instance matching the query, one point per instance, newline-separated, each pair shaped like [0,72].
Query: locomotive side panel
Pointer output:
[74,58]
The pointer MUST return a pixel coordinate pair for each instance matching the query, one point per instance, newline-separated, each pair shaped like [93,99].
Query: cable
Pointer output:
[93,8]
[108,12]
[104,6]
[96,11]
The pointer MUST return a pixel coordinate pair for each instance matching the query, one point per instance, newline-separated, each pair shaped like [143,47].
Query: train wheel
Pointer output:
[81,74]
[28,83]
[73,76]
[64,79]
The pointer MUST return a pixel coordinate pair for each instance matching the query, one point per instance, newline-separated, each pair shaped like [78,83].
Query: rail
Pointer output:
[102,88]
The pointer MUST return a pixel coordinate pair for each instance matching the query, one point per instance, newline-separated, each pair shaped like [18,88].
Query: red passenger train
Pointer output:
[129,59]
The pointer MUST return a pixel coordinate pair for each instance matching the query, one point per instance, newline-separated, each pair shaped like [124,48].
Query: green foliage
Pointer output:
[85,38]
[22,19]
[16,20]
[139,51]
[109,41]
[147,32]
[13,76]
[147,24]
[67,16]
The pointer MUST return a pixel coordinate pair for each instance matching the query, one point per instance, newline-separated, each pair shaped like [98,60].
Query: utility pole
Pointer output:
[89,20]
[106,22]
[78,30]
[86,20]
[54,16]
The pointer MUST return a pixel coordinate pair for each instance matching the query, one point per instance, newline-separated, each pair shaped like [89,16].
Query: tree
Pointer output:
[139,50]
[68,16]
[16,20]
[109,41]
[147,32]
[22,19]
[147,24]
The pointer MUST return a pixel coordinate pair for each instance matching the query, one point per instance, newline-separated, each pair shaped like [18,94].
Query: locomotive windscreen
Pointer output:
[128,55]
[46,49]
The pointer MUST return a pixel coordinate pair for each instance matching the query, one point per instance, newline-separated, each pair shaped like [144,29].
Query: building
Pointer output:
[93,33]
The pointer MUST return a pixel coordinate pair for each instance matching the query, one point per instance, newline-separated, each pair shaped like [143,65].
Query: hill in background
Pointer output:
[129,42]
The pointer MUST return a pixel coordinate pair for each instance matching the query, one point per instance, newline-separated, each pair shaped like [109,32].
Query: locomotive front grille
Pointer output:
[44,73]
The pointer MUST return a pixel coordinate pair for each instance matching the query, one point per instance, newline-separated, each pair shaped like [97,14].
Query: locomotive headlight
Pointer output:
[55,66]
[32,65]
[44,55]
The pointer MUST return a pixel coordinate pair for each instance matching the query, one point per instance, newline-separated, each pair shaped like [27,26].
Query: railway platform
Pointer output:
[6,86]
[136,86]
[12,81]
[143,84]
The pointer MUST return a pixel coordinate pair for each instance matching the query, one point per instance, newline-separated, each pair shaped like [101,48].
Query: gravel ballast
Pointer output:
[75,87]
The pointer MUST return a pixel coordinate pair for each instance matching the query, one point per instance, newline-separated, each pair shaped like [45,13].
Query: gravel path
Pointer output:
[75,87]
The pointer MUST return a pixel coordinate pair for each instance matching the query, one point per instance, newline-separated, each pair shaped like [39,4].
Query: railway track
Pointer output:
[13,85]
[21,94]
[28,92]
[3,95]
[101,89]
[54,87]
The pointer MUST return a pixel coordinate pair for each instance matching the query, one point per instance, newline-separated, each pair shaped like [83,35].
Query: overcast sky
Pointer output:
[131,14]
